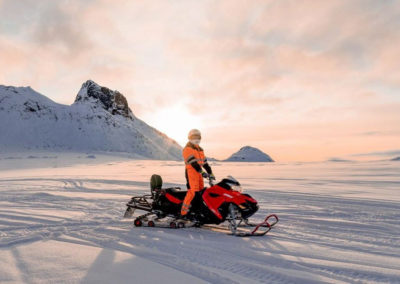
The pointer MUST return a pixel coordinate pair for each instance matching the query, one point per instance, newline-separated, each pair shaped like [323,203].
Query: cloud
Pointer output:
[380,133]
[59,26]
[54,24]
[276,71]
[306,48]
[378,153]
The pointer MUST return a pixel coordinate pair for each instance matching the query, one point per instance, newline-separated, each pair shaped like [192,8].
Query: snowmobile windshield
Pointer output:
[237,188]
[230,183]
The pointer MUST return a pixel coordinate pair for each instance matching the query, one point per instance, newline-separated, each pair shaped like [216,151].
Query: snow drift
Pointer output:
[99,120]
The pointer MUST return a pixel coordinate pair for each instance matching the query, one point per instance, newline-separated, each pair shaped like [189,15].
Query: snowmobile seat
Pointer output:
[174,191]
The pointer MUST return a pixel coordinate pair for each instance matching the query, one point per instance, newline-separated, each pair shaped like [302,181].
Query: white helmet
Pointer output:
[194,136]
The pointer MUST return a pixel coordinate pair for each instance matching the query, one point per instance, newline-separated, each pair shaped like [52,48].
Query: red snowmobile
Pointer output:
[213,205]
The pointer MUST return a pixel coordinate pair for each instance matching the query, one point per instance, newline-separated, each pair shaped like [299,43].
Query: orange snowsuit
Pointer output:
[195,159]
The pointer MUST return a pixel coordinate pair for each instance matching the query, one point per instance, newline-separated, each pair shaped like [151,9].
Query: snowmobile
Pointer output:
[210,207]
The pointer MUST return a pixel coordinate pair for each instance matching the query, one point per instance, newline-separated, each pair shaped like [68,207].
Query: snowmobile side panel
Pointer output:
[173,199]
[216,195]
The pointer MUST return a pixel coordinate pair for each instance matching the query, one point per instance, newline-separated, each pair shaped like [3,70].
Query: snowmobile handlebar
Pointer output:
[210,180]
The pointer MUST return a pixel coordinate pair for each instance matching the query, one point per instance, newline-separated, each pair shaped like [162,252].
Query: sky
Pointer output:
[300,80]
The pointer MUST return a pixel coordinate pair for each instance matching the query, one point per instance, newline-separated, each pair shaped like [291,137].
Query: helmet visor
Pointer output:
[195,141]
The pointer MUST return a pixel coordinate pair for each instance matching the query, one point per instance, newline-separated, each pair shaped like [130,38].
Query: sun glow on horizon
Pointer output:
[175,121]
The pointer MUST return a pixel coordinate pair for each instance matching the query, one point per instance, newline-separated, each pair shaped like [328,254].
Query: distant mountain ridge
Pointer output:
[339,160]
[99,120]
[249,154]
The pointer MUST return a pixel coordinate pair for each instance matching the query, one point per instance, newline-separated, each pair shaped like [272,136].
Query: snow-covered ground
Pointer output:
[62,222]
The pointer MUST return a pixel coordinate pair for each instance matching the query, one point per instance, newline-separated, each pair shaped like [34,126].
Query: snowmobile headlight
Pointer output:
[242,207]
[237,188]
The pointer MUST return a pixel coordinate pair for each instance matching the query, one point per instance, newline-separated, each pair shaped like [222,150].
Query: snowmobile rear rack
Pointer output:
[138,202]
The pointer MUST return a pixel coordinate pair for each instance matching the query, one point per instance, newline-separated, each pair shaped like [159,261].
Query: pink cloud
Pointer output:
[276,72]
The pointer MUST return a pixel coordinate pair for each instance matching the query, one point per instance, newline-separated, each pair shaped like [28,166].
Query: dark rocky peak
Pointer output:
[112,101]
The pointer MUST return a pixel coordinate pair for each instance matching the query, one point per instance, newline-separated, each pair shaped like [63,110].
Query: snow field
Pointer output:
[338,224]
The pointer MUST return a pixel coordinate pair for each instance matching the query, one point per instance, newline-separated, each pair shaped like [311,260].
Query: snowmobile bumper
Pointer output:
[266,223]
[259,230]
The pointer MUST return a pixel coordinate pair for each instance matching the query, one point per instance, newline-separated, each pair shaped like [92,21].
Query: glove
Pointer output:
[204,174]
[212,177]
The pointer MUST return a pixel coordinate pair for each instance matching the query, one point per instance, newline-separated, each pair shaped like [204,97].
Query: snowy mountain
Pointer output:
[396,159]
[249,154]
[99,120]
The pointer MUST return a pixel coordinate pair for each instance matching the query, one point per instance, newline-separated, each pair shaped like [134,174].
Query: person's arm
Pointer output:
[193,162]
[207,167]
[190,159]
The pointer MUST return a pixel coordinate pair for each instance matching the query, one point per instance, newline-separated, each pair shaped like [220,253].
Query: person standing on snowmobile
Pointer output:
[195,161]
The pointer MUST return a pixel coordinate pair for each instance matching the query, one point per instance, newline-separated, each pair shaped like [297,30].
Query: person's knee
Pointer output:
[194,185]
